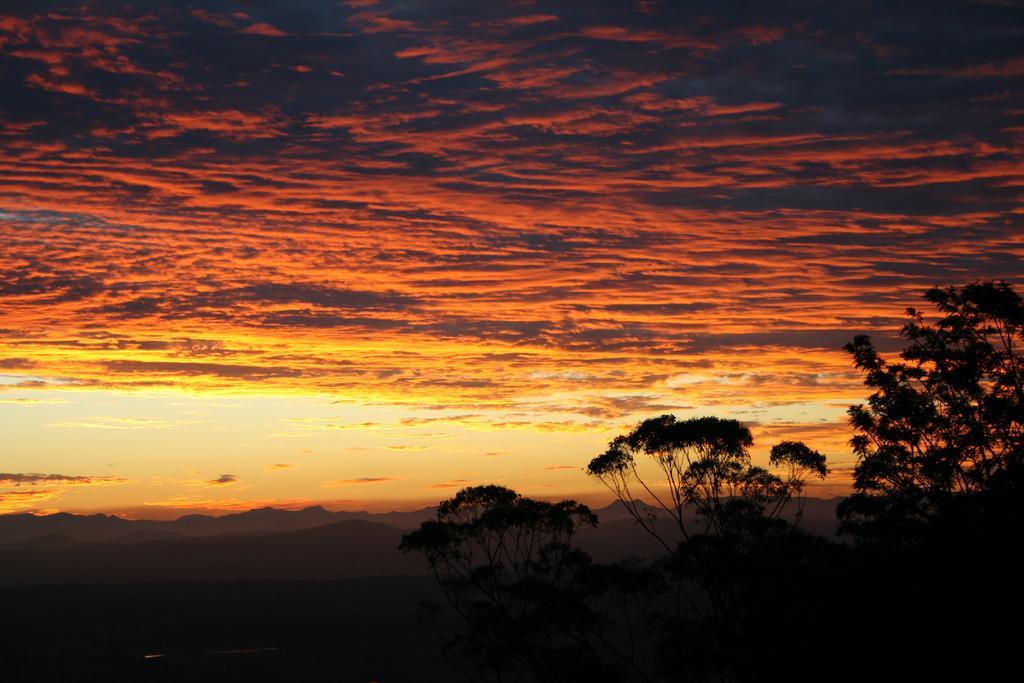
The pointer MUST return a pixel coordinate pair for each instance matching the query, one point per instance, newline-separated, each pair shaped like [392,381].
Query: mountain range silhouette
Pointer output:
[266,543]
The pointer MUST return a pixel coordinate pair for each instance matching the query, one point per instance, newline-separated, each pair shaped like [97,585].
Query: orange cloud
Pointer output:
[30,489]
[541,225]
[358,481]
[263,29]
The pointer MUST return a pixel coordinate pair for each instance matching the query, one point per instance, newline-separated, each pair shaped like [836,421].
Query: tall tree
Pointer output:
[724,532]
[941,438]
[535,605]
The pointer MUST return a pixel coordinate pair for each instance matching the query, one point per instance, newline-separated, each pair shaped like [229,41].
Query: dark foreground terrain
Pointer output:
[347,630]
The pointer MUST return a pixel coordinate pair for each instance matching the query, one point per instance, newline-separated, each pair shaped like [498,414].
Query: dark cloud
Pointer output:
[797,339]
[317,295]
[359,480]
[223,479]
[34,479]
[53,289]
[16,363]
[659,308]
[142,306]
[311,319]
[187,368]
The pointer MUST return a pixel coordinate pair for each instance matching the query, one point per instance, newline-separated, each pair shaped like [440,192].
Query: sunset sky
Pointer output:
[364,253]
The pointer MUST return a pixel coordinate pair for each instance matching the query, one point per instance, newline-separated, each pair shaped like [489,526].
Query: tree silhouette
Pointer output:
[941,439]
[507,565]
[936,507]
[710,484]
[724,531]
[739,592]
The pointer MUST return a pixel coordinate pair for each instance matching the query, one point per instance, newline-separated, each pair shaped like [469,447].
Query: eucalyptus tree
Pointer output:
[705,480]
[718,517]
[535,604]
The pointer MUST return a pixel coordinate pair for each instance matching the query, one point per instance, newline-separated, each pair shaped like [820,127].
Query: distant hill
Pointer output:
[351,548]
[265,544]
[64,528]
[819,515]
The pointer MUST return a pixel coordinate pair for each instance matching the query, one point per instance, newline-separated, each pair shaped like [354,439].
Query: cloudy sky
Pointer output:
[364,252]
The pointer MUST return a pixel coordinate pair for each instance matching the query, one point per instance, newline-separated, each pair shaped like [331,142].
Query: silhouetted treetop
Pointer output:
[945,422]
[507,566]
[705,466]
[484,520]
[797,461]
[798,457]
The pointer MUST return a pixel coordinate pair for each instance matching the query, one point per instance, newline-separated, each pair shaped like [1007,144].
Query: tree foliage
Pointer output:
[706,471]
[725,515]
[508,567]
[942,435]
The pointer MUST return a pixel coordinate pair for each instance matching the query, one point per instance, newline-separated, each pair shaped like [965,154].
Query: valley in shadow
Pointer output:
[350,630]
